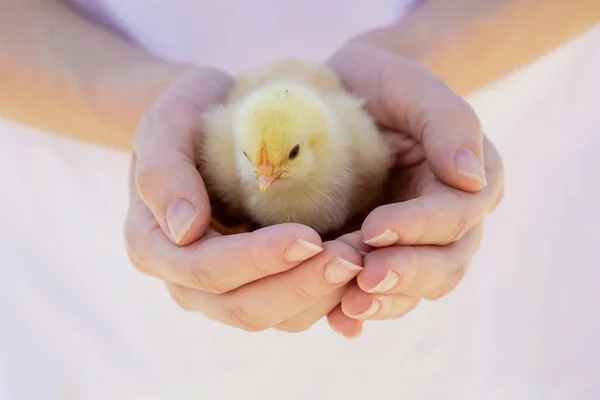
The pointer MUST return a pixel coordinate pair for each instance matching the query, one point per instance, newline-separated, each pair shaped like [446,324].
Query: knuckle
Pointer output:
[242,318]
[292,326]
[140,132]
[304,294]
[416,223]
[130,236]
[203,279]
[451,282]
[415,281]
[462,266]
[181,297]
[263,259]
[475,237]
[135,260]
[175,108]
[461,223]
[460,229]
[135,244]
[146,174]
[411,305]
[406,306]
[465,116]
[497,200]
[137,240]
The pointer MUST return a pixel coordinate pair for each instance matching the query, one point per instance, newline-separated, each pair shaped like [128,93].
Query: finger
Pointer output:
[165,169]
[441,215]
[307,318]
[355,241]
[362,306]
[434,219]
[268,302]
[403,95]
[216,264]
[430,272]
[340,323]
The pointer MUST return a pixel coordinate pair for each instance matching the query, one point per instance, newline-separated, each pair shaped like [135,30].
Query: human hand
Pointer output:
[421,245]
[280,276]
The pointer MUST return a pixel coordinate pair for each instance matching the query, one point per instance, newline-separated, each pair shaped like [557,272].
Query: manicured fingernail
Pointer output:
[355,336]
[388,283]
[335,329]
[370,312]
[340,271]
[349,337]
[301,250]
[180,217]
[467,164]
[387,238]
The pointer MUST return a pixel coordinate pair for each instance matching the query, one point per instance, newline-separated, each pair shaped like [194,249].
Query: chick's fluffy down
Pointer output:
[349,166]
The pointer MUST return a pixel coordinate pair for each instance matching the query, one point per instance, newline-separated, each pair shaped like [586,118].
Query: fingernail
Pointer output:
[349,337]
[370,312]
[388,283]
[467,164]
[180,216]
[340,271]
[355,336]
[301,250]
[335,329]
[387,238]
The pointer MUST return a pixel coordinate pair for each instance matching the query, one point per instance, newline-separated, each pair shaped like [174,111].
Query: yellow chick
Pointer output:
[291,145]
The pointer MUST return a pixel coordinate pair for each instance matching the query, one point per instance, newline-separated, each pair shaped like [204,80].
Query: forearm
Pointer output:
[62,73]
[468,43]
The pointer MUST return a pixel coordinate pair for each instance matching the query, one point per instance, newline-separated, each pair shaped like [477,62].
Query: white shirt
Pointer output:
[78,322]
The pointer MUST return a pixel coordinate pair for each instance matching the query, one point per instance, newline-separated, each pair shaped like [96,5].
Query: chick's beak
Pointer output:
[265,181]
[265,172]
[266,176]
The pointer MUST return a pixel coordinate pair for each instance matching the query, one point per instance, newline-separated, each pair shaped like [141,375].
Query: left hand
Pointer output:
[422,245]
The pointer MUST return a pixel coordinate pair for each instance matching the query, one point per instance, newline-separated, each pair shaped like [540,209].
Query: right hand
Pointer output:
[280,277]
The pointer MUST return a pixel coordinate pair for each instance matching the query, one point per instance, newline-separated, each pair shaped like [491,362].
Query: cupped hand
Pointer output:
[448,178]
[280,277]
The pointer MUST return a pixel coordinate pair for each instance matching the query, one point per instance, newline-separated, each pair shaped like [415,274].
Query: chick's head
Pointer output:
[282,131]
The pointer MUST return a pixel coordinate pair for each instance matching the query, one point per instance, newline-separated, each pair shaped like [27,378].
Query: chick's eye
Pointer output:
[294,152]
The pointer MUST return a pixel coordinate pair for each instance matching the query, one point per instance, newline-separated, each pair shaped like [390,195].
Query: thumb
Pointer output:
[406,97]
[453,145]
[165,175]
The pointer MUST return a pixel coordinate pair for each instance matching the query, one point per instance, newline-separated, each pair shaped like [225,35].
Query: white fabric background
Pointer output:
[77,322]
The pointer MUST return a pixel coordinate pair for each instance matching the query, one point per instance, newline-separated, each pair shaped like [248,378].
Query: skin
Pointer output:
[222,277]
[92,85]
[468,43]
[88,84]
[430,262]
[67,75]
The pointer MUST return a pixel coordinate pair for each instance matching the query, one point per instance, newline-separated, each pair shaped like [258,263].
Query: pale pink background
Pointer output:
[77,322]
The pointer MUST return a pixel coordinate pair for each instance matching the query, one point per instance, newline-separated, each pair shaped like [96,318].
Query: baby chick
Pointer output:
[291,145]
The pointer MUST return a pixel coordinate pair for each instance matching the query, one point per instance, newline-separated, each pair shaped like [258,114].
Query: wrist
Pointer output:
[449,41]
[468,43]
[434,40]
[125,92]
